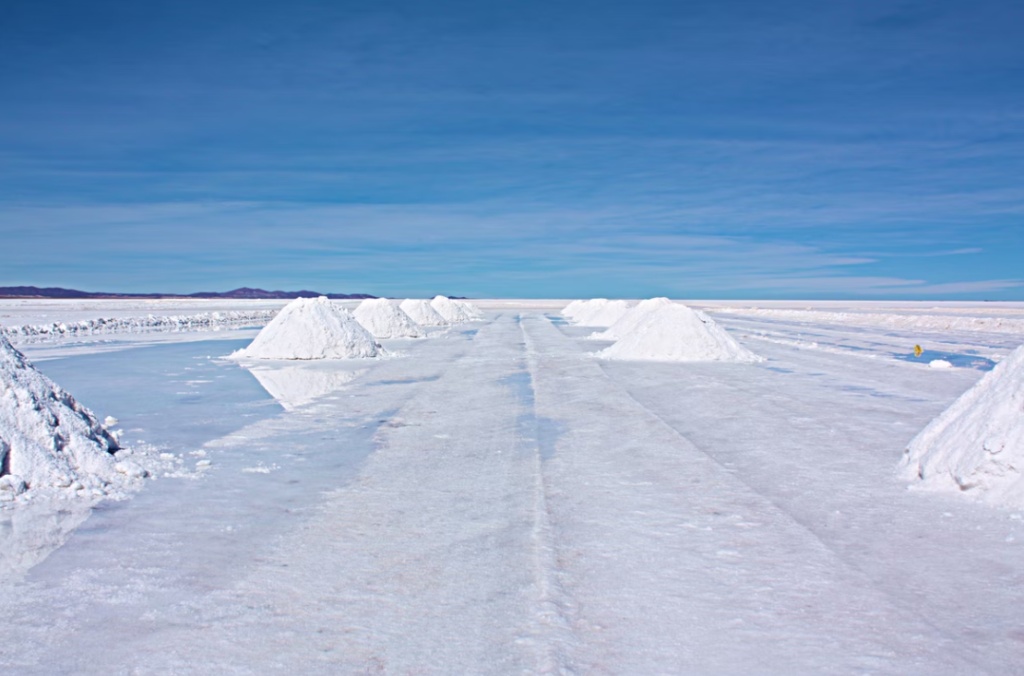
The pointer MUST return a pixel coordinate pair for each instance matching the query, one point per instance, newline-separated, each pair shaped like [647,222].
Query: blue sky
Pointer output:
[725,149]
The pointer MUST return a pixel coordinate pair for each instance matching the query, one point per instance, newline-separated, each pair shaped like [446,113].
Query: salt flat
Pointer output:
[496,501]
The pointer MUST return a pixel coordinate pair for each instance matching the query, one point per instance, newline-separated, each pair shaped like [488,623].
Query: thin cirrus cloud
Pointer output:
[705,148]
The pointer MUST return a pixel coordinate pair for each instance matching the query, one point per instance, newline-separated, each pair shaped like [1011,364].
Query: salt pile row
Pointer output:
[658,330]
[316,328]
[48,441]
[976,446]
[312,328]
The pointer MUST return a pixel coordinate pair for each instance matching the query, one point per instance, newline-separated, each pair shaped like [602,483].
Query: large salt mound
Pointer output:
[448,309]
[47,439]
[677,333]
[631,319]
[382,319]
[602,314]
[977,444]
[422,312]
[312,328]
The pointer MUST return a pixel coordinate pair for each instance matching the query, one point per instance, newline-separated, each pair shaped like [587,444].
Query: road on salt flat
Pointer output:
[500,503]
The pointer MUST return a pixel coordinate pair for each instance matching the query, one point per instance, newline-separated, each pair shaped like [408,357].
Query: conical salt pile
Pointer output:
[579,307]
[47,439]
[384,320]
[472,311]
[677,333]
[631,319]
[450,310]
[422,312]
[603,313]
[312,328]
[976,446]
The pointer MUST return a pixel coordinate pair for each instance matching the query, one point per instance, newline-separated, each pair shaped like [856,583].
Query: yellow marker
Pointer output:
[918,350]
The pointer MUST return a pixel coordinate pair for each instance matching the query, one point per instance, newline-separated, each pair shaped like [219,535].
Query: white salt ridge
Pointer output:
[603,313]
[976,446]
[887,320]
[149,323]
[312,328]
[422,312]
[452,312]
[383,319]
[630,320]
[47,439]
[678,333]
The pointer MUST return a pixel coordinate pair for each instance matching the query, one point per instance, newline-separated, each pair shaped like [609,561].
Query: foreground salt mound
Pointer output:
[383,320]
[602,314]
[312,328]
[47,439]
[677,333]
[977,444]
[631,319]
[422,312]
[450,310]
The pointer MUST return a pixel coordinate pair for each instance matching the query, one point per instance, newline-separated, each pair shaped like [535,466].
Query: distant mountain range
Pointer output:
[243,293]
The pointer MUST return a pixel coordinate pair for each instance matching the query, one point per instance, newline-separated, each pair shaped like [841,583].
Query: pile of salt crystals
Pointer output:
[312,328]
[48,441]
[596,312]
[383,319]
[630,320]
[976,446]
[677,333]
[452,310]
[578,307]
[422,312]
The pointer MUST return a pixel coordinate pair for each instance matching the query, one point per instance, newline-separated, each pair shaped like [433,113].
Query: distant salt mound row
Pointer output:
[49,440]
[472,311]
[602,314]
[312,328]
[976,446]
[422,312]
[450,310]
[677,333]
[581,307]
[384,320]
[631,319]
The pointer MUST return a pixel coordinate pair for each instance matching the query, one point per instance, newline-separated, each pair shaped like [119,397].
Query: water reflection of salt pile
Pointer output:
[34,530]
[295,385]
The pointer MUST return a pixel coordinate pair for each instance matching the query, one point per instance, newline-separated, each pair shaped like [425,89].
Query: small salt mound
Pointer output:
[47,439]
[312,328]
[448,309]
[384,320]
[631,319]
[677,333]
[472,311]
[580,307]
[602,314]
[422,312]
[976,446]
